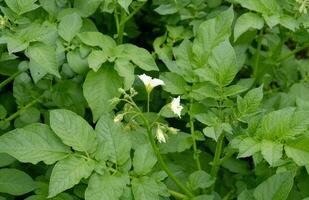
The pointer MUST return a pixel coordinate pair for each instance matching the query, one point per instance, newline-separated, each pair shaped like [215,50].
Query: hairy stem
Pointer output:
[17,113]
[162,162]
[121,26]
[216,161]
[291,53]
[8,80]
[257,55]
[177,194]
[133,13]
[196,155]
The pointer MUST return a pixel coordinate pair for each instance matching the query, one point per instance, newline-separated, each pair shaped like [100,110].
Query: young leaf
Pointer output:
[74,21]
[200,179]
[69,172]
[248,147]
[125,4]
[33,143]
[45,56]
[96,58]
[105,187]
[210,34]
[222,70]
[73,130]
[15,182]
[276,187]
[114,144]
[247,21]
[100,87]
[251,101]
[144,159]
[271,151]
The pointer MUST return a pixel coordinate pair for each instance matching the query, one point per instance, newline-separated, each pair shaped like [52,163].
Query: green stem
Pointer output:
[133,13]
[291,53]
[216,161]
[116,16]
[16,114]
[257,55]
[148,102]
[195,149]
[177,194]
[8,80]
[162,162]
[121,26]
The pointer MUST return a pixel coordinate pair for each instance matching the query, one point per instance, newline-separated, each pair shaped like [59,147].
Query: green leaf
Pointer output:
[33,143]
[96,58]
[178,142]
[78,64]
[87,8]
[14,44]
[100,87]
[6,159]
[144,159]
[267,7]
[125,4]
[145,188]
[247,21]
[283,123]
[45,56]
[69,172]
[276,187]
[174,83]
[251,101]
[114,143]
[271,151]
[73,130]
[74,21]
[221,70]
[210,34]
[15,182]
[248,147]
[200,179]
[298,150]
[21,6]
[97,39]
[125,69]
[139,56]
[106,187]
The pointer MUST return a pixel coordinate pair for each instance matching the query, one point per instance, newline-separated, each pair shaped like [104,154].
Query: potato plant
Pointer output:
[154,100]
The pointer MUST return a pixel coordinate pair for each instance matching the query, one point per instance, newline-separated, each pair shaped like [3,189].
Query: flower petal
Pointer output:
[146,79]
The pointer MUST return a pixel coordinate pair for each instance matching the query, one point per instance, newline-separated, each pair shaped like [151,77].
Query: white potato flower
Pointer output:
[160,135]
[149,82]
[176,107]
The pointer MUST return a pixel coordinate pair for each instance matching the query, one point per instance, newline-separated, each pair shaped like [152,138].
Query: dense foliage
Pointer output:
[154,100]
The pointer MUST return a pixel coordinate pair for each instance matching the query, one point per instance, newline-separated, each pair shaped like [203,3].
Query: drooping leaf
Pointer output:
[33,143]
[15,182]
[69,172]
[73,130]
